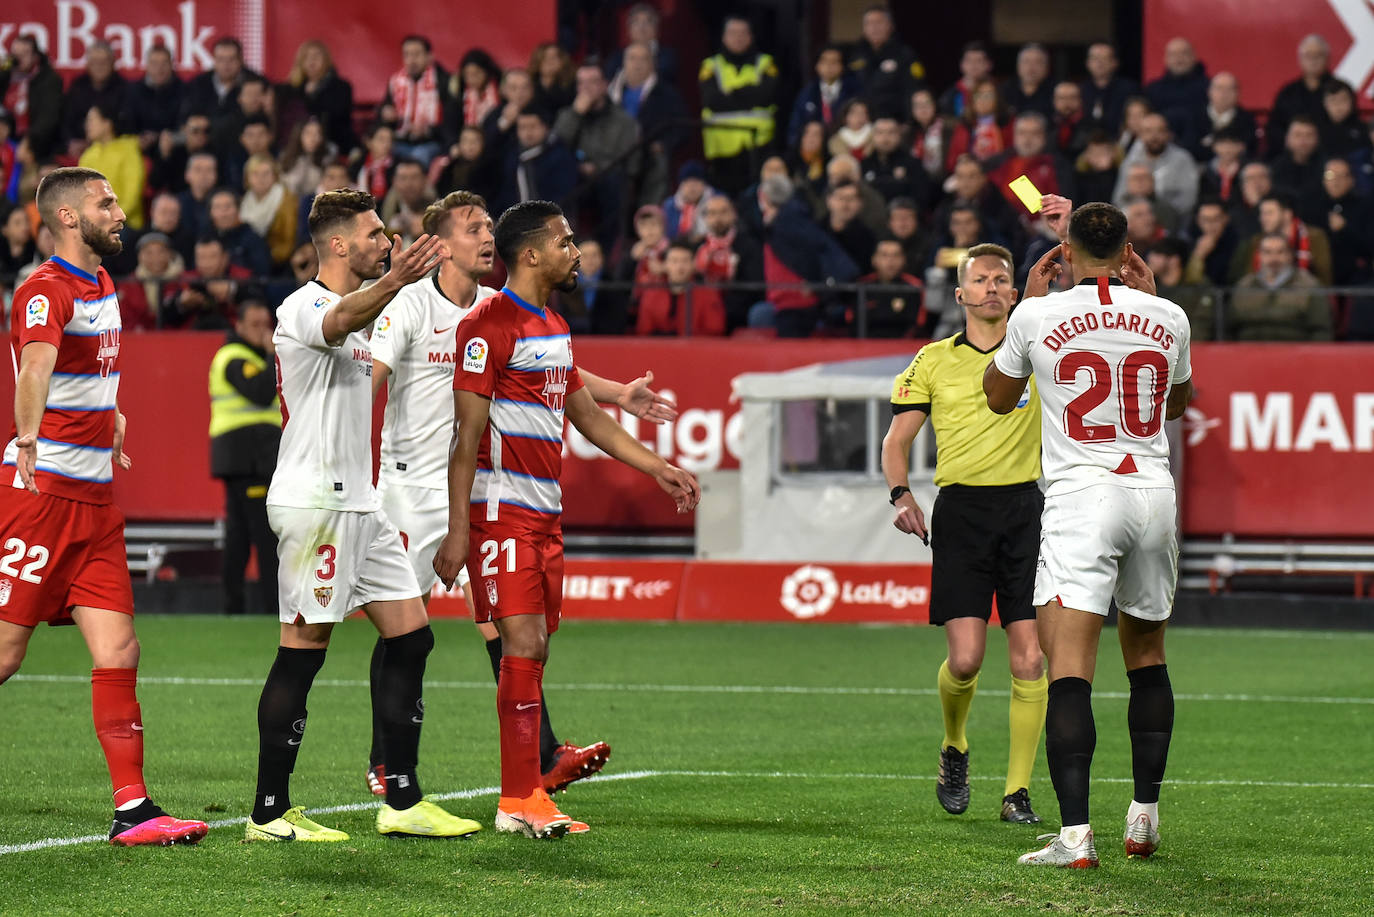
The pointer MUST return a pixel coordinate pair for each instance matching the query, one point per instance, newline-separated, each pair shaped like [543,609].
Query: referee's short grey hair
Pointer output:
[982,250]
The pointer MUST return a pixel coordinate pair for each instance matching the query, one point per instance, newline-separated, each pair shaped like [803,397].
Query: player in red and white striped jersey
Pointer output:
[63,538]
[514,383]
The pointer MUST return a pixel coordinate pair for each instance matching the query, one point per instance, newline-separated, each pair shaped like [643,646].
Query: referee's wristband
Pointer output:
[897,492]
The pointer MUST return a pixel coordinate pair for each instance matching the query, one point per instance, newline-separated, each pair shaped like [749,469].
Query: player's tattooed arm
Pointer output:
[610,437]
[634,397]
[36,362]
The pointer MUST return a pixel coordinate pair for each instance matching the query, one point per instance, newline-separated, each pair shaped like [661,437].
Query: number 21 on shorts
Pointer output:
[490,550]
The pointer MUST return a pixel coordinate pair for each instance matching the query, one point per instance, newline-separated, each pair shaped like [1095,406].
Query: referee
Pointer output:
[986,522]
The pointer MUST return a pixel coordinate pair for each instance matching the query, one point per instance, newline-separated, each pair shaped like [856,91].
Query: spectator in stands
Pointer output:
[932,137]
[555,81]
[641,27]
[806,164]
[17,250]
[590,309]
[1349,224]
[255,139]
[1032,156]
[795,251]
[1309,246]
[739,102]
[664,307]
[315,91]
[1214,247]
[1132,117]
[904,227]
[683,213]
[975,72]
[1140,185]
[1104,91]
[747,201]
[1219,176]
[98,84]
[473,167]
[417,96]
[1362,162]
[1031,90]
[252,104]
[11,168]
[1069,130]
[1342,133]
[1255,185]
[962,230]
[153,104]
[118,158]
[659,110]
[892,313]
[403,208]
[269,208]
[1277,301]
[843,204]
[985,129]
[164,216]
[728,254]
[473,89]
[1167,258]
[844,169]
[307,153]
[1298,170]
[305,263]
[1180,95]
[1142,229]
[1304,95]
[1224,114]
[1176,174]
[539,167]
[644,264]
[823,98]
[1097,168]
[202,300]
[972,189]
[202,177]
[159,266]
[888,70]
[174,152]
[517,93]
[891,170]
[215,93]
[602,137]
[375,170]
[32,93]
[244,247]
[855,133]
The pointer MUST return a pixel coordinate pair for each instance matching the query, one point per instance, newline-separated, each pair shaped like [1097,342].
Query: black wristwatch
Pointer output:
[897,492]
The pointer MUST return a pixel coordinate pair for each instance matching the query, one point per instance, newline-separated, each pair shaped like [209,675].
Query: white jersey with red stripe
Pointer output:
[415,336]
[519,356]
[77,312]
[325,458]
[1105,357]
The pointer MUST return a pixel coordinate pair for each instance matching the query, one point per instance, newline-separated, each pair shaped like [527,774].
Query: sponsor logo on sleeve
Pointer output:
[321,302]
[475,356]
[36,312]
[383,325]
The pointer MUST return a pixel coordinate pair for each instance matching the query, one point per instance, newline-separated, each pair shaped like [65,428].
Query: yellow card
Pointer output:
[1025,189]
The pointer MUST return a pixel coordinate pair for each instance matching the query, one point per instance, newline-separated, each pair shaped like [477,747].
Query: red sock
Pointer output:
[119,727]
[517,706]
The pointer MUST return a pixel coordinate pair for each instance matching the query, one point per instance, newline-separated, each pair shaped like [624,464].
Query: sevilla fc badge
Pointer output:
[323,594]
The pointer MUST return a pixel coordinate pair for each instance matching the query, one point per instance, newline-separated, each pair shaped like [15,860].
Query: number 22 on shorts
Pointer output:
[490,549]
[15,548]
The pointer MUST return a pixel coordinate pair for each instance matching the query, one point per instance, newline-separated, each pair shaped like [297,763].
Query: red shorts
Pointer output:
[515,571]
[56,554]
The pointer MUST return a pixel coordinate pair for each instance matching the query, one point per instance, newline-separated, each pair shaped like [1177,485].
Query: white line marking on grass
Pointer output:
[53,842]
[836,690]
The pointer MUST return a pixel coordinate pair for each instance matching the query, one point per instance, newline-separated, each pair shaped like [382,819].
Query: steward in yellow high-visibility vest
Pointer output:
[245,431]
[739,104]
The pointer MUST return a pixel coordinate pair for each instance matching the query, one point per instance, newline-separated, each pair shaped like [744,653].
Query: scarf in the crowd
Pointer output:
[617,88]
[478,103]
[1066,127]
[373,177]
[716,259]
[856,141]
[644,274]
[815,164]
[1227,177]
[987,138]
[418,108]
[1299,241]
[829,94]
[687,214]
[259,212]
[929,147]
[17,98]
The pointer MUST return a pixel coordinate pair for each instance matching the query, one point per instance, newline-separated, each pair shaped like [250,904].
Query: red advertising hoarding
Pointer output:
[614,589]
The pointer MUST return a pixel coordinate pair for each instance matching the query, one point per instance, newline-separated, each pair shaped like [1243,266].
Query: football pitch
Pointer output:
[756,769]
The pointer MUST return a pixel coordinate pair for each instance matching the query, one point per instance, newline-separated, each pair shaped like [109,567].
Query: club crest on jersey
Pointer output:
[6,587]
[491,592]
[36,312]
[555,386]
[475,355]
[323,595]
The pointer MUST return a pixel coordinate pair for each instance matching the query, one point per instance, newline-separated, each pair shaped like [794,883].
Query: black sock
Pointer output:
[1151,718]
[374,672]
[140,813]
[548,742]
[494,651]
[400,682]
[281,728]
[1070,737]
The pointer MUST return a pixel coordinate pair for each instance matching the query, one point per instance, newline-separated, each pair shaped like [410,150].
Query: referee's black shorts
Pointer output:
[984,541]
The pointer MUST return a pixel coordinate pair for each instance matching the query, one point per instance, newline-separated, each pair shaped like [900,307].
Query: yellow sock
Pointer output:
[1027,718]
[955,698]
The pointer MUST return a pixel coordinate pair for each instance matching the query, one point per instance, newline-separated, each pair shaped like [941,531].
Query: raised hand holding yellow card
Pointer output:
[1029,195]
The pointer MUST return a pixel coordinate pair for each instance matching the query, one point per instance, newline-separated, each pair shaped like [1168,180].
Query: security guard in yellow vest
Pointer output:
[245,430]
[739,102]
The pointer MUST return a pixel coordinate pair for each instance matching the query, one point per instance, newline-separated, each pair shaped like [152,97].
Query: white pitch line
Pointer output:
[53,842]
[837,690]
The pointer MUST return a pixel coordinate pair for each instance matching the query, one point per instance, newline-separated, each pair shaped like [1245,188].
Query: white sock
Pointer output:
[1074,835]
[1148,808]
[131,804]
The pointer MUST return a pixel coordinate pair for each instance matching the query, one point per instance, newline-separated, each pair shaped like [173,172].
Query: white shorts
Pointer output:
[331,563]
[1105,542]
[421,514]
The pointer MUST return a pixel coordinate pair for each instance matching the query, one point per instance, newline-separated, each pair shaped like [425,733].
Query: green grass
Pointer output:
[818,801]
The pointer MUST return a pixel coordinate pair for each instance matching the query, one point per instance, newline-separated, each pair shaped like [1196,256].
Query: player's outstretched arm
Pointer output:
[611,438]
[896,457]
[634,397]
[36,361]
[356,311]
[470,412]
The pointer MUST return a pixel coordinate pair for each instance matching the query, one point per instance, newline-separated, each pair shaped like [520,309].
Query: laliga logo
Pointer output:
[809,591]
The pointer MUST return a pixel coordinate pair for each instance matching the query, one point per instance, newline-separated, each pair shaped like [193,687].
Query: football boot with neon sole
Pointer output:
[424,819]
[162,830]
[292,826]
[534,816]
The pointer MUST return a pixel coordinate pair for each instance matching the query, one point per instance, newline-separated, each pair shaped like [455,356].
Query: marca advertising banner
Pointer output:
[1257,40]
[363,38]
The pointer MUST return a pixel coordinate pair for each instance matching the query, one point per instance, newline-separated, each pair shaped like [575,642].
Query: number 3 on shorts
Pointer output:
[489,551]
[326,570]
[15,548]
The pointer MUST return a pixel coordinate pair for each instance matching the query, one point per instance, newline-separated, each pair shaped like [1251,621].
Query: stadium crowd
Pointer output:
[844,208]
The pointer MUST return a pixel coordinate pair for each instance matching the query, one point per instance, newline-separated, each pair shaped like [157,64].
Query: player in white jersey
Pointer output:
[337,550]
[1112,360]
[413,348]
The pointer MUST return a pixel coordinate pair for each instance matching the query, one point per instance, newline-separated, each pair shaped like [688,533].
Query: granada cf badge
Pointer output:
[323,594]
[6,586]
[491,592]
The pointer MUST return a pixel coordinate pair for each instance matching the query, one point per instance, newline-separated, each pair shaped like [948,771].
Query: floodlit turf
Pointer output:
[777,769]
